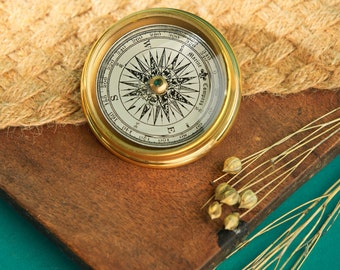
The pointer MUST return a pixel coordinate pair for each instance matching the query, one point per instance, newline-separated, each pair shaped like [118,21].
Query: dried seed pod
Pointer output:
[231,221]
[220,189]
[248,199]
[230,197]
[232,165]
[215,210]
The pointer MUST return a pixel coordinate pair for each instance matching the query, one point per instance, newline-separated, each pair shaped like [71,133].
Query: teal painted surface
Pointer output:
[23,246]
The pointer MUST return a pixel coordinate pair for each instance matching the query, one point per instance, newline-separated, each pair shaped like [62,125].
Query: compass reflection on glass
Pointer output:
[160,88]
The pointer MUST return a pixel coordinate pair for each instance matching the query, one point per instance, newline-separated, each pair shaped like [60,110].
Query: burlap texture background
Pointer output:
[283,46]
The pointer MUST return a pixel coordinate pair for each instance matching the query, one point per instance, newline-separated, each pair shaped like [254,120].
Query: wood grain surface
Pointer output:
[115,215]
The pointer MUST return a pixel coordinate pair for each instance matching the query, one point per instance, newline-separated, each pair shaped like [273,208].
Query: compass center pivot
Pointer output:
[158,85]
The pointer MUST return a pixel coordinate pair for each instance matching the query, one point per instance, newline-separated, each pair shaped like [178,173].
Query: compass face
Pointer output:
[160,88]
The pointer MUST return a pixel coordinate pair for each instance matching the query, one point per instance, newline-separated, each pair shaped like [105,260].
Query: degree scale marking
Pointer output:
[122,79]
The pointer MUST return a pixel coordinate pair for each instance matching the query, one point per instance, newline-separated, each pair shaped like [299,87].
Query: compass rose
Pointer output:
[159,86]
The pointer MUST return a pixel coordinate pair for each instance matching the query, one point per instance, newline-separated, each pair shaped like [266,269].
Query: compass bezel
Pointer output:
[156,157]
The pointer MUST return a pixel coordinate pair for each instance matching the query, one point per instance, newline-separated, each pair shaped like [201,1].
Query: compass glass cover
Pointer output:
[161,86]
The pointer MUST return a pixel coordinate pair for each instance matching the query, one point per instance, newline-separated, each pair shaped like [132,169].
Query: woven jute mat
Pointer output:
[283,46]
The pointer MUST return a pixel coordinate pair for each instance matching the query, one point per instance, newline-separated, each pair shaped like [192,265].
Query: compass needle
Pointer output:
[185,79]
[134,85]
[153,65]
[177,109]
[139,75]
[146,108]
[182,68]
[160,87]
[174,62]
[162,61]
[143,68]
[180,98]
[188,89]
[186,74]
[158,109]
[164,104]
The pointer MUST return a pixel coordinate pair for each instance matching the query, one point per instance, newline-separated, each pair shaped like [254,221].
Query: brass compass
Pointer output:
[160,88]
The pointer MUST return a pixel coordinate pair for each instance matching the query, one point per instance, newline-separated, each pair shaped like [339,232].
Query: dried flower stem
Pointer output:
[278,222]
[268,177]
[207,202]
[313,241]
[288,172]
[304,141]
[284,175]
[265,170]
[252,158]
[275,251]
[292,236]
[251,183]
[307,152]
[305,242]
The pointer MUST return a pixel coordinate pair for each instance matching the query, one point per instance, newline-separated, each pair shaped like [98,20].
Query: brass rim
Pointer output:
[175,156]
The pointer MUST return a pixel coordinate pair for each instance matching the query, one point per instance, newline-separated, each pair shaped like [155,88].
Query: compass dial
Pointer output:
[155,82]
[158,88]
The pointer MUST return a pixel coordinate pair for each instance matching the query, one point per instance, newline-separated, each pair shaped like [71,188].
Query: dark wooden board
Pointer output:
[115,215]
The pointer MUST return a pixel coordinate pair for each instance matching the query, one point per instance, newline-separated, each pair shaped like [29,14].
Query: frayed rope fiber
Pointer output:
[282,46]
